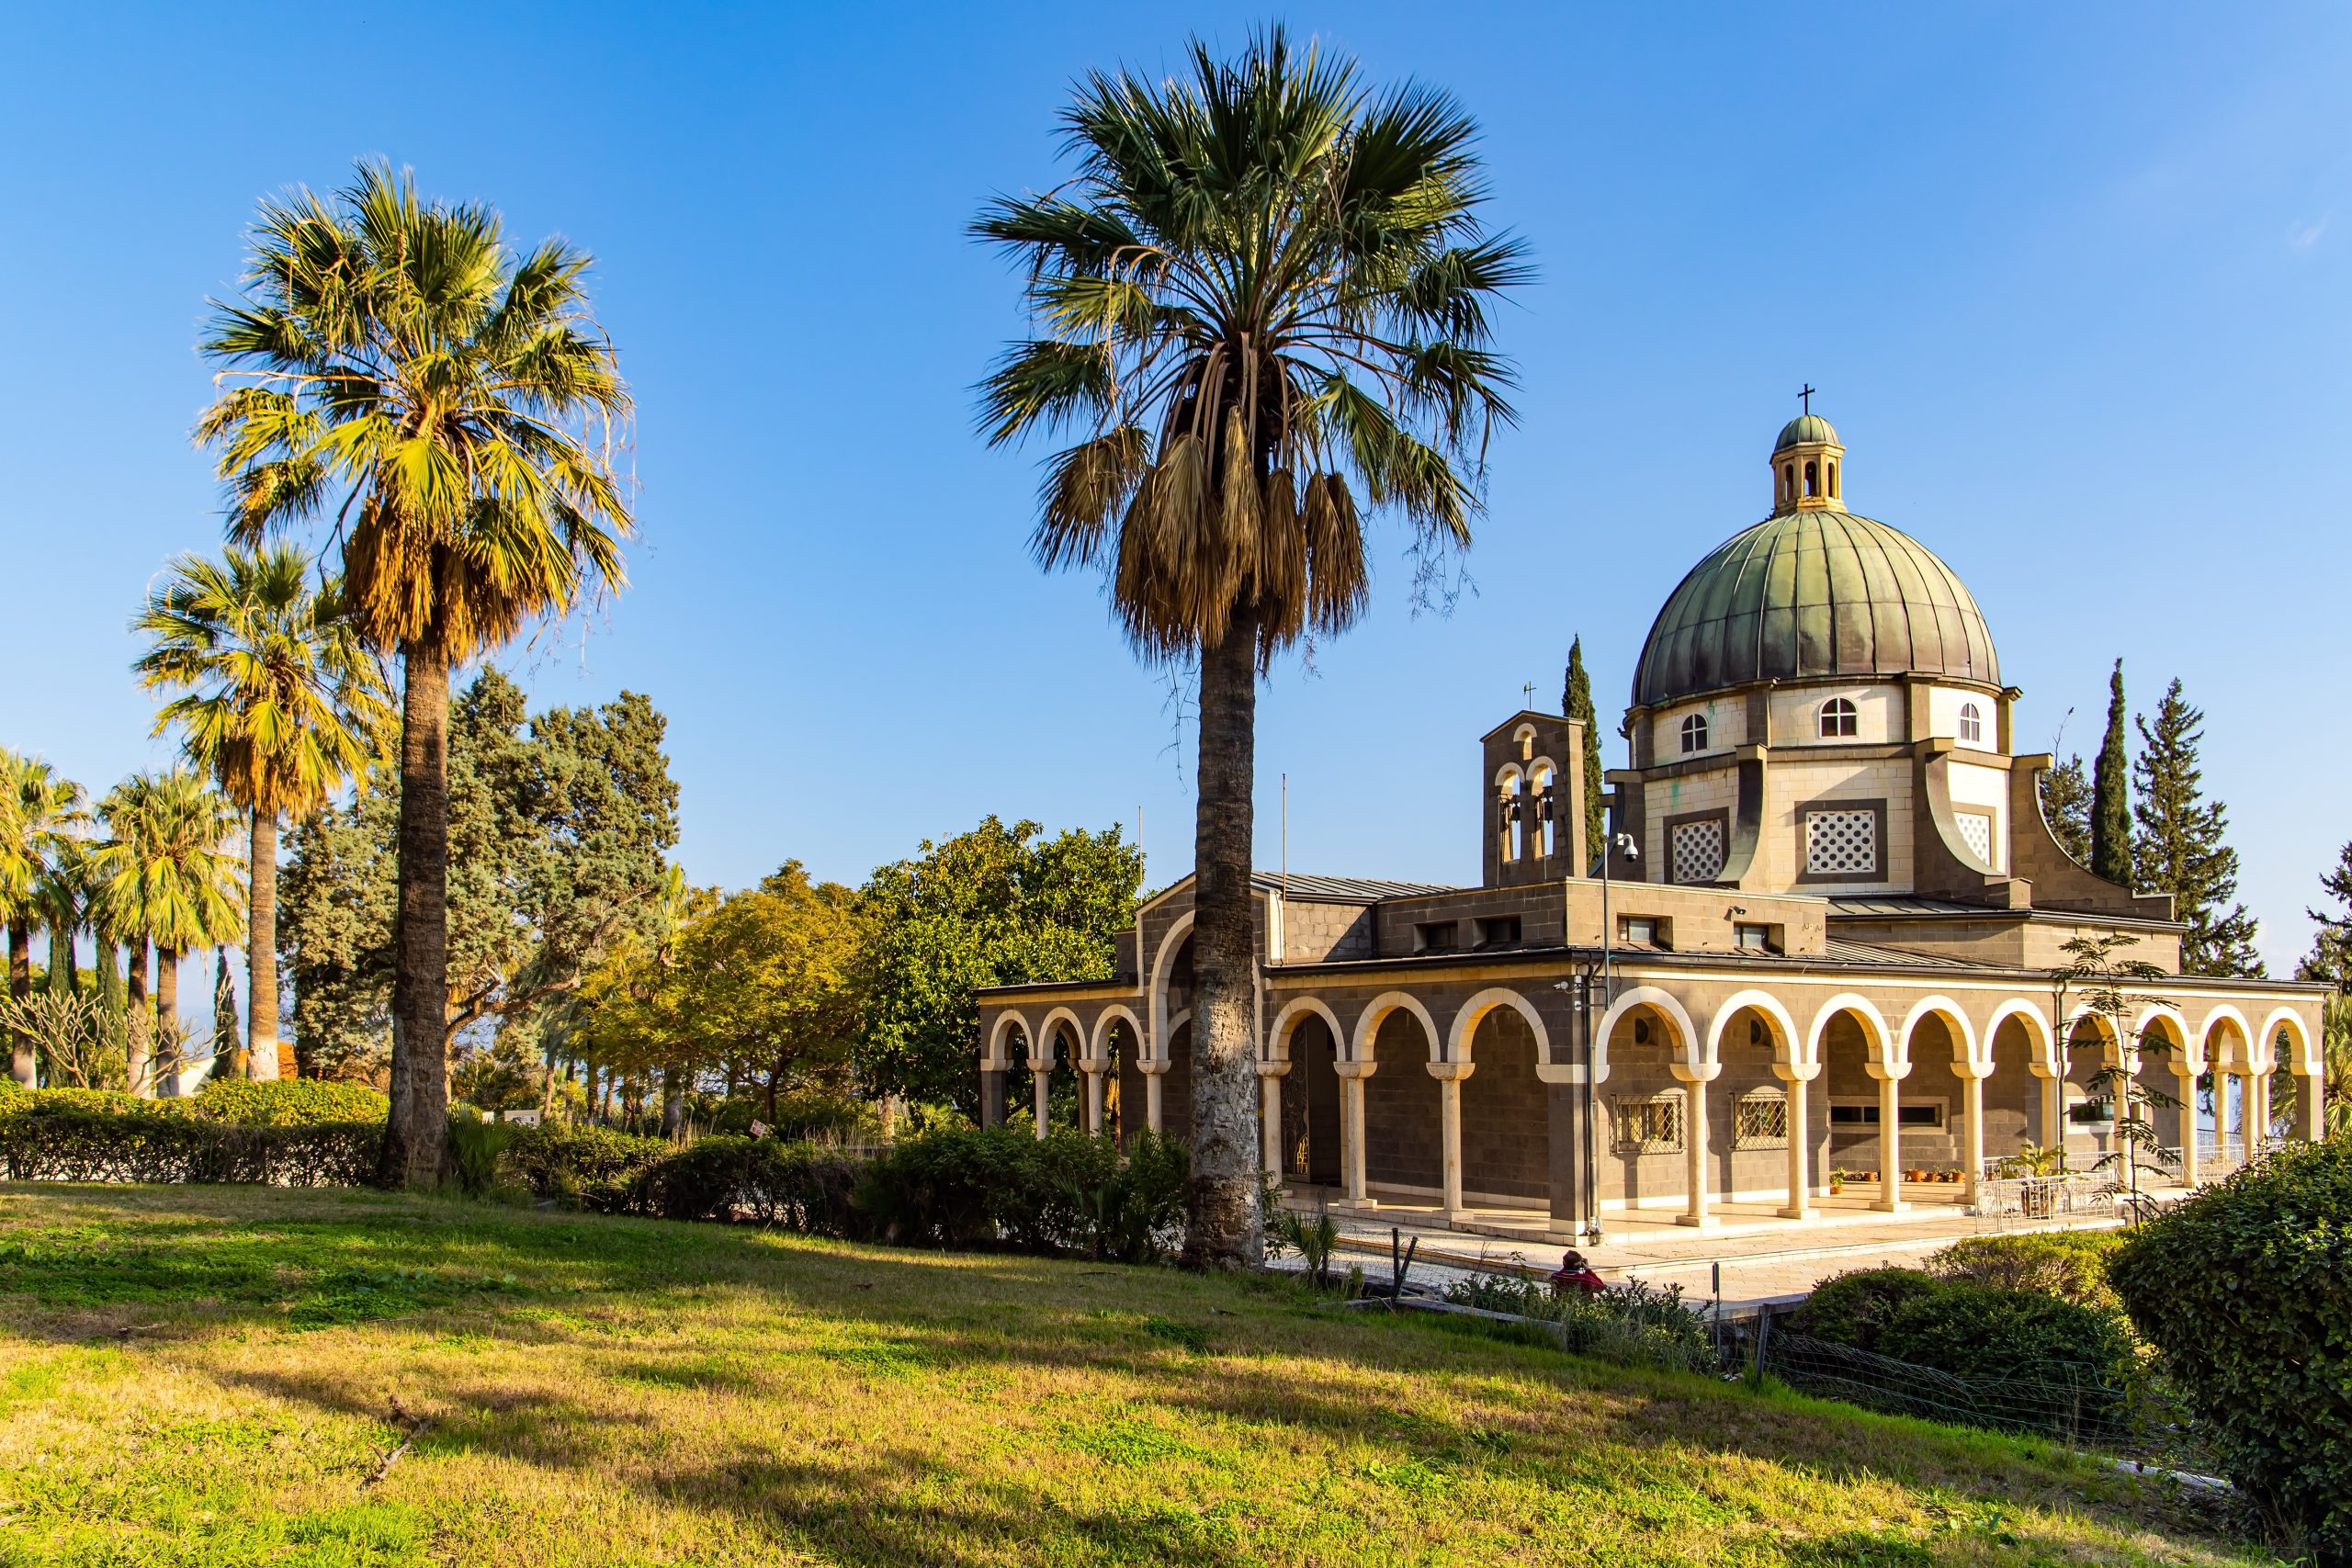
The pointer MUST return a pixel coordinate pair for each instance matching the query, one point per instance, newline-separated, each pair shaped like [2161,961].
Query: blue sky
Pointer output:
[2070,278]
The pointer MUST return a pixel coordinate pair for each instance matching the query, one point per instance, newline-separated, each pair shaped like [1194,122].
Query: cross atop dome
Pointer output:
[1807,463]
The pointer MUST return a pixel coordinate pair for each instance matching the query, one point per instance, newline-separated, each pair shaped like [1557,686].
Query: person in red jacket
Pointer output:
[1575,1274]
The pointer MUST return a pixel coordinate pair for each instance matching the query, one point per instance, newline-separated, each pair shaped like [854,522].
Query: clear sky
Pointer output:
[2071,279]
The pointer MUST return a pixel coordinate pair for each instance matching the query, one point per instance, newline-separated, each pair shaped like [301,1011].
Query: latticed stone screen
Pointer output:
[1841,843]
[1699,849]
[1976,832]
[1651,1126]
[1760,1121]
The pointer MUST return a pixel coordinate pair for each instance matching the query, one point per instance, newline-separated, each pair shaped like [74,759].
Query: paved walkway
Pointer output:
[1762,1258]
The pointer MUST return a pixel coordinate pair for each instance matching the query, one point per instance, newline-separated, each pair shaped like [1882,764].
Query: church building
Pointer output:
[1822,967]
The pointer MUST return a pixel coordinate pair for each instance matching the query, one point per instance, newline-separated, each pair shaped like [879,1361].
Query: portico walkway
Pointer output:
[1763,1256]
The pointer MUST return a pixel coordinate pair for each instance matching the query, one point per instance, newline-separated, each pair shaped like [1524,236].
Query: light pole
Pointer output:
[1623,841]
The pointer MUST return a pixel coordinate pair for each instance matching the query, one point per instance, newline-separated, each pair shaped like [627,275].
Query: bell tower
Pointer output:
[1808,465]
[1532,800]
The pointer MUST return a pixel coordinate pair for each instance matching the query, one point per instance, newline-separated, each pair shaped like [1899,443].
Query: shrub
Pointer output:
[289,1102]
[2242,1289]
[1855,1308]
[1066,1192]
[583,1167]
[2069,1265]
[1633,1325]
[55,1136]
[1987,1331]
[475,1146]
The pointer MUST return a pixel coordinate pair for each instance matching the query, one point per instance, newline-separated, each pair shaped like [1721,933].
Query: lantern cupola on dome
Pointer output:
[1807,464]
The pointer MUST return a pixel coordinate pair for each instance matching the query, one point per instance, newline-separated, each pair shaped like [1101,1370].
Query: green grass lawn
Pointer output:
[208,1375]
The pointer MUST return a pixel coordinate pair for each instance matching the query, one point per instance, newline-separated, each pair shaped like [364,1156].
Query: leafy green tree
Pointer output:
[2180,847]
[278,702]
[2106,981]
[1577,703]
[447,407]
[996,906]
[2112,792]
[558,827]
[39,812]
[1262,305]
[2066,806]
[171,876]
[227,1043]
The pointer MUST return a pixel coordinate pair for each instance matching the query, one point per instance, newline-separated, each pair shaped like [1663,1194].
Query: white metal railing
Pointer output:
[2085,1194]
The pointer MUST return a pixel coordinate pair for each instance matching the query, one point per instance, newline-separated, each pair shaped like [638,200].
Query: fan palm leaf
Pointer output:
[1262,313]
[445,406]
[168,873]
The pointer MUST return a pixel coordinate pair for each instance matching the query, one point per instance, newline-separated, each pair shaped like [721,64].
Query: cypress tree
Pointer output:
[2066,806]
[2179,848]
[2112,792]
[1577,703]
[228,1041]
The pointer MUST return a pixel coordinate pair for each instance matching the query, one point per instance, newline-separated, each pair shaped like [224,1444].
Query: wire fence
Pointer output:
[2072,1403]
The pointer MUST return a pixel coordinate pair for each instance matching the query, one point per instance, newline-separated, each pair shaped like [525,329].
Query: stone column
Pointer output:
[991,1096]
[2184,1077]
[1698,1153]
[1798,1083]
[1094,1097]
[1269,1115]
[1352,1183]
[1042,1072]
[1971,1144]
[2311,1112]
[2053,1109]
[2257,1112]
[1565,1113]
[1889,1137]
[1151,1067]
[1449,1076]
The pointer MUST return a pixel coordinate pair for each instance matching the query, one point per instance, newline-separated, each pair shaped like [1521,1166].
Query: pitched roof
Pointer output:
[1340,889]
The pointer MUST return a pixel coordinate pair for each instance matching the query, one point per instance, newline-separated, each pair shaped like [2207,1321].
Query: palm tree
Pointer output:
[1261,304]
[62,893]
[169,876]
[279,702]
[448,408]
[38,811]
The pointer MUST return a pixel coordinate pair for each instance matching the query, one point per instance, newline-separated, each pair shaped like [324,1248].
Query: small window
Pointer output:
[1651,1126]
[1499,930]
[1640,931]
[1840,717]
[1930,1114]
[1811,481]
[1437,936]
[1972,724]
[1759,1119]
[1856,1114]
[1694,733]
[1753,938]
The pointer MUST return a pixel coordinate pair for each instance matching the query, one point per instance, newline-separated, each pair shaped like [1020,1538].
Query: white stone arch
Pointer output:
[1099,1049]
[1474,1013]
[2306,1059]
[1880,1041]
[1162,964]
[1297,1009]
[1042,1042]
[1508,777]
[2222,1012]
[1788,1039]
[1657,1000]
[2183,1047]
[1542,783]
[1956,1021]
[2120,1049]
[1375,1012]
[1010,1018]
[2041,1044]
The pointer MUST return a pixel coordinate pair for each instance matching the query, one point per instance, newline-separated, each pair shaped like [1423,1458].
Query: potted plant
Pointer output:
[1837,1180]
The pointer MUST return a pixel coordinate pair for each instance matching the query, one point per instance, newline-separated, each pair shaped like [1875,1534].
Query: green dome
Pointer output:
[1806,429]
[1814,592]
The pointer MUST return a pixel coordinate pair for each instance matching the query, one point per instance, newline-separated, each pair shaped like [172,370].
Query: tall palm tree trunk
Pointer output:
[62,967]
[417,1135]
[260,949]
[1222,1229]
[139,1023]
[21,1062]
[167,1020]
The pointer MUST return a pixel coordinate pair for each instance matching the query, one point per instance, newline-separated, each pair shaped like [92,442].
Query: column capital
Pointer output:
[1355,1069]
[1976,1072]
[1705,1072]
[1450,1072]
[1152,1066]
[1274,1069]
[1882,1073]
[1041,1065]
[1797,1072]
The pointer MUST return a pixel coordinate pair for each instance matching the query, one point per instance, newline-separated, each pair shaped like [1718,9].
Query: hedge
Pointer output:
[2244,1291]
[1067,1194]
[53,1141]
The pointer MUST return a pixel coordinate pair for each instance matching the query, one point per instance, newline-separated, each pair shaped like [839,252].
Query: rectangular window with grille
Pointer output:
[1759,1119]
[1699,849]
[1649,1126]
[1976,832]
[1841,842]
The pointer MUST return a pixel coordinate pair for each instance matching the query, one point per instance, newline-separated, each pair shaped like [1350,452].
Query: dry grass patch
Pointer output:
[212,1376]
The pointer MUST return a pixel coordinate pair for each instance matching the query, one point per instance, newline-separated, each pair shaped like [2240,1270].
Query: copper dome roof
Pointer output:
[1816,592]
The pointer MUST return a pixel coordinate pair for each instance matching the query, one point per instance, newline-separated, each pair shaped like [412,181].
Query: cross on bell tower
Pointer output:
[1808,464]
